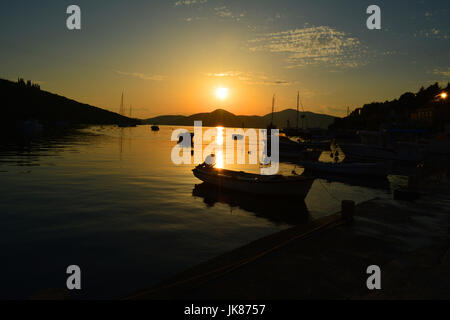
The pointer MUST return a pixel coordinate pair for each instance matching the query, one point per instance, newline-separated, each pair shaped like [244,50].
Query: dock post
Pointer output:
[348,211]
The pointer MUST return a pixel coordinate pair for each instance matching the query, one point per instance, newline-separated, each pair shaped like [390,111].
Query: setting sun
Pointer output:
[222,93]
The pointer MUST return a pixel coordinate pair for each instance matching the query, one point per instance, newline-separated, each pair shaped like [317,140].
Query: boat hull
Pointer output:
[403,153]
[298,186]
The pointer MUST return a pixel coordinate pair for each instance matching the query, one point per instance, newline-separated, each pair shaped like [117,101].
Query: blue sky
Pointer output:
[170,56]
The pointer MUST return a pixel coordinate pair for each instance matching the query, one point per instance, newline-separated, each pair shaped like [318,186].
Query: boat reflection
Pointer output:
[278,210]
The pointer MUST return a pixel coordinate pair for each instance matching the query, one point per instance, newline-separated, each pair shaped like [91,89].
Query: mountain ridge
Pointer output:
[221,117]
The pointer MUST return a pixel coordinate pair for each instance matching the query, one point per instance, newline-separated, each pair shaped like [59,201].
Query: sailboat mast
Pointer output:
[121,111]
[273,109]
[298,105]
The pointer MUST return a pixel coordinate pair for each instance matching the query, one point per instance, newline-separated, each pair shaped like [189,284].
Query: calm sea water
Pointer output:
[111,201]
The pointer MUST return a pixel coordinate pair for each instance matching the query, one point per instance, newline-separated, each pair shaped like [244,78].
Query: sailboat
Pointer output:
[271,125]
[122,123]
[297,131]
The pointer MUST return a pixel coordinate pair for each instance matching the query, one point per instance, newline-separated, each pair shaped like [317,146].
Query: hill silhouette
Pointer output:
[398,112]
[224,118]
[22,101]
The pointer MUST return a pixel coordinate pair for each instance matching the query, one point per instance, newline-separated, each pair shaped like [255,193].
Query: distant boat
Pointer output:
[155,128]
[275,185]
[185,142]
[237,136]
[378,169]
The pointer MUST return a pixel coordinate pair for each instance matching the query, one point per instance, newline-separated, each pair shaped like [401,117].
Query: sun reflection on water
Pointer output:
[219,138]
[219,159]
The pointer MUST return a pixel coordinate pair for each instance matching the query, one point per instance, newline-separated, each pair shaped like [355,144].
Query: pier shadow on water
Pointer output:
[278,210]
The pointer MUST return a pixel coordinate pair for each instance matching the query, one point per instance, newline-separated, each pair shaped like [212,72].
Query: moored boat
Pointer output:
[299,155]
[186,139]
[380,145]
[275,185]
[379,169]
[402,152]
[237,137]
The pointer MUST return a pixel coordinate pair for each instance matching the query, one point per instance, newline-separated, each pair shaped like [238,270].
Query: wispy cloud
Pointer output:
[142,76]
[251,78]
[225,12]
[273,18]
[443,72]
[432,33]
[224,74]
[221,12]
[187,3]
[190,19]
[311,46]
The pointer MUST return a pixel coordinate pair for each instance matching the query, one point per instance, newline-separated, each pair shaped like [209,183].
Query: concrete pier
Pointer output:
[328,259]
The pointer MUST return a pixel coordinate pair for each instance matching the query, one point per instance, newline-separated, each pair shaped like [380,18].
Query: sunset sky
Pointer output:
[170,56]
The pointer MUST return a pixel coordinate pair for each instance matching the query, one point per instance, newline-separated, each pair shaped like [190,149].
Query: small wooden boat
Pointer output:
[379,169]
[275,185]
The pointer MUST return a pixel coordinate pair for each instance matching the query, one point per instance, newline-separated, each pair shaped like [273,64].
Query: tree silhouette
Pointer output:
[396,113]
